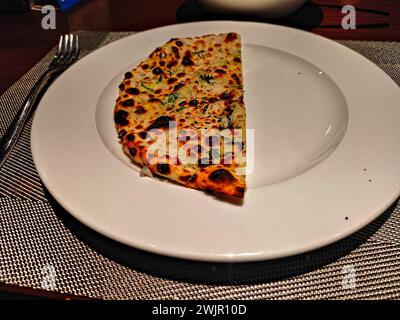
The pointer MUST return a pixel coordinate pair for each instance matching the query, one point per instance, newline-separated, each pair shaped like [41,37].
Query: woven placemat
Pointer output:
[43,247]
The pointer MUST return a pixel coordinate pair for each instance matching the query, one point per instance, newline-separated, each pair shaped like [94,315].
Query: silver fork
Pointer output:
[67,54]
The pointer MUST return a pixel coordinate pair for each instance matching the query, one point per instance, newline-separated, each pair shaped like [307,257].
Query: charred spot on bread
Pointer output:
[143,135]
[187,59]
[163,168]
[193,103]
[221,176]
[157,71]
[225,95]
[122,133]
[128,103]
[175,49]
[230,37]
[187,62]
[120,117]
[128,75]
[160,123]
[236,78]
[239,191]
[228,110]
[133,91]
[140,110]
[158,49]
[171,80]
[132,151]
[171,64]
[184,178]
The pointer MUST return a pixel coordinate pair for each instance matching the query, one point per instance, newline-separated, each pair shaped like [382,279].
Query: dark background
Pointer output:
[23,42]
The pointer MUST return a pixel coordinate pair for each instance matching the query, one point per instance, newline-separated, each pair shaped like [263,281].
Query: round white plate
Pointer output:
[326,150]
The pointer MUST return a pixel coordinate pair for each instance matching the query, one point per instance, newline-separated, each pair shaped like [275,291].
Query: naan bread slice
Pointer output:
[180,113]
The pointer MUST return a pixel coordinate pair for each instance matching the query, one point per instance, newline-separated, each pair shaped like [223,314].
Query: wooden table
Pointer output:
[23,42]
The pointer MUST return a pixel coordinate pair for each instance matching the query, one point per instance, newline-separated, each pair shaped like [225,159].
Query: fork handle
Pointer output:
[10,137]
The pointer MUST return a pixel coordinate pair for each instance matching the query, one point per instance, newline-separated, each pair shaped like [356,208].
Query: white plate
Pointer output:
[326,147]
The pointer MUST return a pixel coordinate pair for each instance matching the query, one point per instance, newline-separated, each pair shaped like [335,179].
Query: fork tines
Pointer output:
[68,49]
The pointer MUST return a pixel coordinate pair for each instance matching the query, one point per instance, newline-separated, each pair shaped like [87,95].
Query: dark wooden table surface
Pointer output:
[23,42]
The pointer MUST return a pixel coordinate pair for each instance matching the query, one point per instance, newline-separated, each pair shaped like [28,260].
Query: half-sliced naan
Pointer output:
[180,113]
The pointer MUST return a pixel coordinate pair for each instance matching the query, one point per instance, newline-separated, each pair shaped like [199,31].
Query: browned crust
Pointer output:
[188,82]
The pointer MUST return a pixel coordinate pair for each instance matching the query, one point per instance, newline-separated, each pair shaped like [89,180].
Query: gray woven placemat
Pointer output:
[41,246]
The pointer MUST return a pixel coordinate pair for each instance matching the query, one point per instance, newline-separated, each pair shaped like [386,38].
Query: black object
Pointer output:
[38,4]
[14,6]
[307,17]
